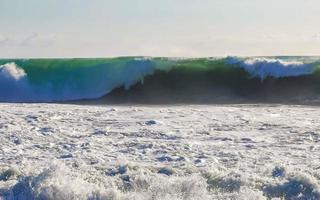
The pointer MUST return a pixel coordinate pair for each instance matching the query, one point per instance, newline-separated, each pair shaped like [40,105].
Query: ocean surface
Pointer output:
[161,80]
[217,128]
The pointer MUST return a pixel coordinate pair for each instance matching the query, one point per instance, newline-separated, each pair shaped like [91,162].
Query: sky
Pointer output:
[175,28]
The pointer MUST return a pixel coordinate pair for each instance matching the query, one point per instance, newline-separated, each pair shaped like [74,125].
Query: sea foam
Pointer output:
[271,67]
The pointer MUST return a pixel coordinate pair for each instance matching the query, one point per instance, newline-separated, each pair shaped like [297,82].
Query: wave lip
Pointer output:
[271,67]
[11,71]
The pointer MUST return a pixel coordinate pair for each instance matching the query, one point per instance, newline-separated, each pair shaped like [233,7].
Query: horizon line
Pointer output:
[141,56]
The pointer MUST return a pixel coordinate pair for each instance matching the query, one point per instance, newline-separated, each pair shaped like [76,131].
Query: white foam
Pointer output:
[271,67]
[122,163]
[12,72]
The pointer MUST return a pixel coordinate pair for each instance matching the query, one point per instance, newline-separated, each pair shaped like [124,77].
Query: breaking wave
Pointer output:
[48,80]
[277,68]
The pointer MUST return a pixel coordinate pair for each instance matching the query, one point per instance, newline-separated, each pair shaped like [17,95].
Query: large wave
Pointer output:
[47,80]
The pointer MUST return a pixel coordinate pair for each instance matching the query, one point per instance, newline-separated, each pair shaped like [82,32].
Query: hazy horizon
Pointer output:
[169,28]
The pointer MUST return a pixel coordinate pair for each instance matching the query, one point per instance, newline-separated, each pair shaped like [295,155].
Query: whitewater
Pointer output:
[185,152]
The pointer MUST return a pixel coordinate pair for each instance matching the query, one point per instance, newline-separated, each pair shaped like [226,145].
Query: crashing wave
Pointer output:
[271,67]
[47,80]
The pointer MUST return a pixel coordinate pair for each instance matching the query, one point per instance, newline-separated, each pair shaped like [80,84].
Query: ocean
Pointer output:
[141,128]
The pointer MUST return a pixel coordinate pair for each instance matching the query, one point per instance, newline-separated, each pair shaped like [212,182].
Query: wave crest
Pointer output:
[271,67]
[11,71]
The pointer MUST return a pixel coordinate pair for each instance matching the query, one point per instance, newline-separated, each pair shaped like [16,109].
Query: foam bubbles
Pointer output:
[10,71]
[271,67]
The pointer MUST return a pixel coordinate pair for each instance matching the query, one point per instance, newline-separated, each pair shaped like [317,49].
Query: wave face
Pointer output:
[47,80]
[138,78]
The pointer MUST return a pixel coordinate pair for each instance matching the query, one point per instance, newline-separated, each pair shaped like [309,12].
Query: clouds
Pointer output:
[29,39]
[33,39]
[3,40]
[39,40]
[29,45]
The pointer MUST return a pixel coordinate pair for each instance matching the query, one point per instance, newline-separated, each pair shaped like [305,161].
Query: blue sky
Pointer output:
[190,28]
